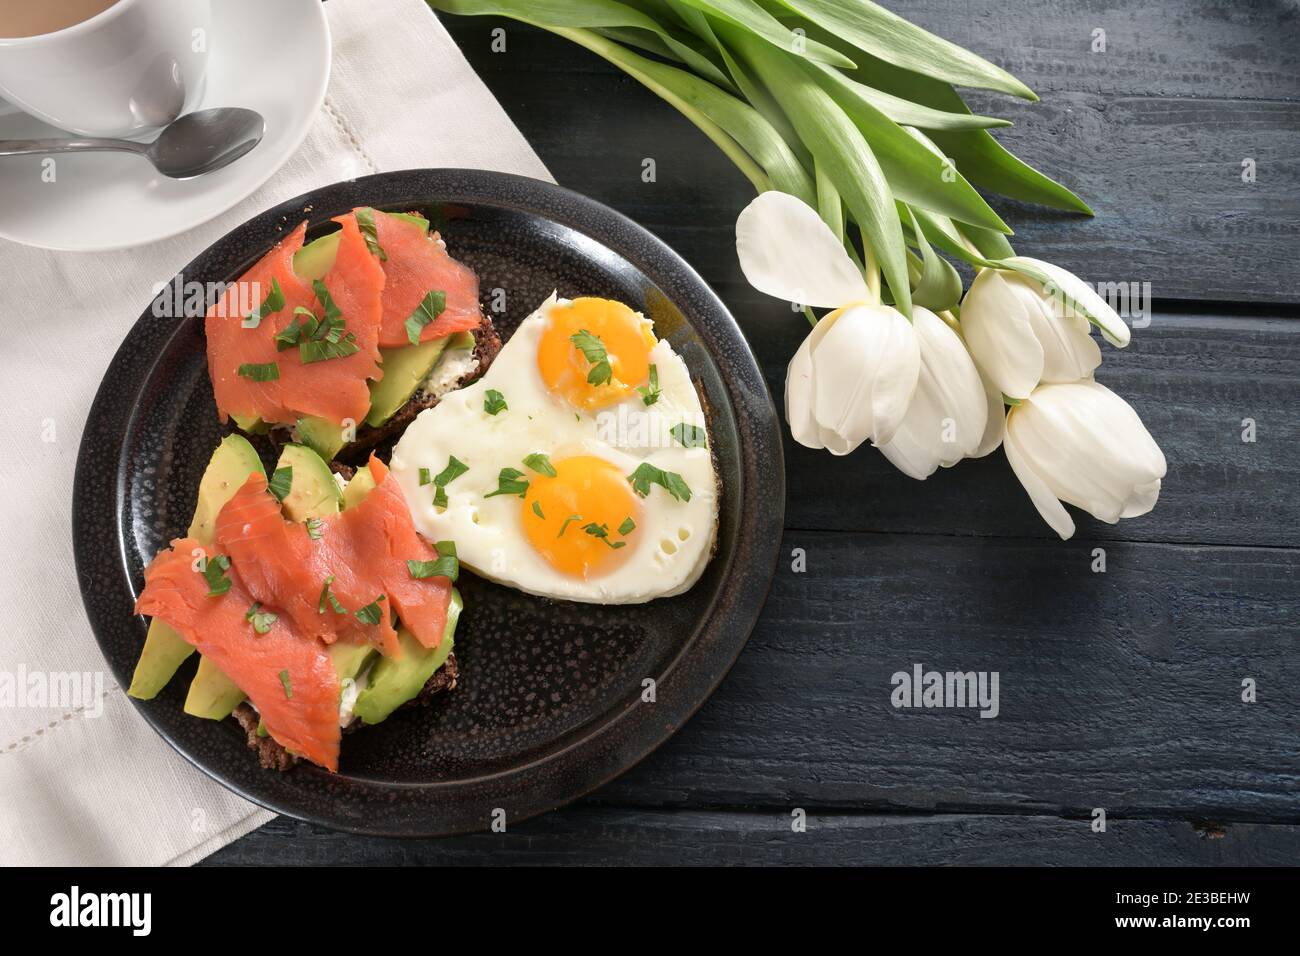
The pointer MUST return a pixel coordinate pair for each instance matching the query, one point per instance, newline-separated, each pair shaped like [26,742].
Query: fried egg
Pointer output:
[578,467]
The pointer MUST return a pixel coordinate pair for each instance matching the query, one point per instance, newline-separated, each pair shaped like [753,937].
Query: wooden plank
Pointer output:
[600,836]
[1119,690]
[1193,379]
[1161,48]
[1162,172]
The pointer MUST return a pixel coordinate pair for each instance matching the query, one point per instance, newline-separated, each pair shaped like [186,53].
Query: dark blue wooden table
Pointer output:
[1120,691]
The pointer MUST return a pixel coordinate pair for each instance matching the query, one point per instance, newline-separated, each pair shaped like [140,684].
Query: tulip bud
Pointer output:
[1083,444]
[852,378]
[1022,332]
[947,417]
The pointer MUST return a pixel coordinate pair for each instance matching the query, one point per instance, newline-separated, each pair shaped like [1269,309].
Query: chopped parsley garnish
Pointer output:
[261,620]
[430,308]
[537,510]
[426,476]
[541,464]
[318,339]
[326,300]
[647,474]
[326,594]
[371,613]
[260,372]
[627,527]
[214,572]
[288,336]
[447,565]
[593,350]
[494,402]
[601,532]
[366,220]
[286,684]
[690,436]
[280,482]
[314,528]
[273,302]
[564,527]
[510,481]
[650,393]
[455,468]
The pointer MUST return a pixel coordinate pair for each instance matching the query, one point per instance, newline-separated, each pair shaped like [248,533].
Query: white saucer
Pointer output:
[270,57]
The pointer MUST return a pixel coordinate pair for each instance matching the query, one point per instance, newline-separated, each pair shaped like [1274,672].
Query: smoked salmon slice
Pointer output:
[289,678]
[416,264]
[362,554]
[378,536]
[336,389]
[232,345]
[275,384]
[286,569]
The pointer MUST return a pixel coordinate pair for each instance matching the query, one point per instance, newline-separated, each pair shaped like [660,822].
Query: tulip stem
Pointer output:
[951,321]
[812,319]
[970,247]
[871,270]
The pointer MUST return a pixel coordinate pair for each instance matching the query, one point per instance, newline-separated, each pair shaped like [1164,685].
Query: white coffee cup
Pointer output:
[130,69]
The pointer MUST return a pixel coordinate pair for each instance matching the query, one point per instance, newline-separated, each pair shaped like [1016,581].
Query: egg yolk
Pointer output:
[573,519]
[568,371]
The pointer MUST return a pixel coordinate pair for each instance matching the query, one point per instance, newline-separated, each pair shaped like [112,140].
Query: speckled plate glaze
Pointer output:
[549,704]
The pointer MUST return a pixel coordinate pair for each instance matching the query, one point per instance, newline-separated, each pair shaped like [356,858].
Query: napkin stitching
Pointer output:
[346,128]
[20,744]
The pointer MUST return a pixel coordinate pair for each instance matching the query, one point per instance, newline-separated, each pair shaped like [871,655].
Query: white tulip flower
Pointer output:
[1023,332]
[948,416]
[1083,444]
[854,376]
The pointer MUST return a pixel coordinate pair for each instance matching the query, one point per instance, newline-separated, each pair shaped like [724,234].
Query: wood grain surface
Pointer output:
[1119,690]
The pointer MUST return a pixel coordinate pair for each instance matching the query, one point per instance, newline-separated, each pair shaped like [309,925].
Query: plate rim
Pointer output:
[733,613]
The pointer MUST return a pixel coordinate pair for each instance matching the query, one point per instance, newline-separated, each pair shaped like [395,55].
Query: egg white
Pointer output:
[673,540]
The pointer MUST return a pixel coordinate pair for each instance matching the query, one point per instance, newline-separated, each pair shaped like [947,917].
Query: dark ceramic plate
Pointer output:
[549,704]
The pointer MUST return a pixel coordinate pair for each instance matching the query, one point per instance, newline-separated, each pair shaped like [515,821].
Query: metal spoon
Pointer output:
[189,146]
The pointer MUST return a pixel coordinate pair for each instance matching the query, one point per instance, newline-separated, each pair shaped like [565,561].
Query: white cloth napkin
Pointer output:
[93,784]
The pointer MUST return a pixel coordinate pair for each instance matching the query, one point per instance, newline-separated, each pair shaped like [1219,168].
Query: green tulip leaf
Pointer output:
[887,36]
[939,286]
[749,16]
[906,113]
[918,173]
[840,149]
[979,157]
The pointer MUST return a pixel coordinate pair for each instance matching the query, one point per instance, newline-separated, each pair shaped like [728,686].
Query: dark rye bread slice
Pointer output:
[272,756]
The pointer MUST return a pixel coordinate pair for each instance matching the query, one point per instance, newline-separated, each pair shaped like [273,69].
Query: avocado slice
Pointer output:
[394,681]
[322,436]
[350,659]
[358,487]
[251,424]
[212,695]
[164,650]
[404,370]
[313,492]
